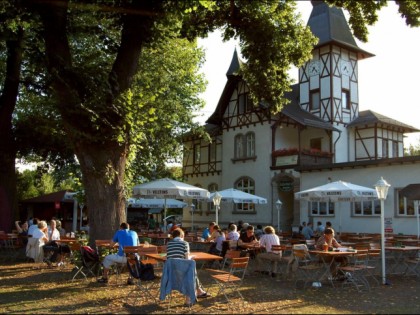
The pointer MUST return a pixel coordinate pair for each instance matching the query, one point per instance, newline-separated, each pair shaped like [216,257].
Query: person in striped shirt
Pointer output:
[178,248]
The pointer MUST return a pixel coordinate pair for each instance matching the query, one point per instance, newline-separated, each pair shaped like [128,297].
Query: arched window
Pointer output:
[245,184]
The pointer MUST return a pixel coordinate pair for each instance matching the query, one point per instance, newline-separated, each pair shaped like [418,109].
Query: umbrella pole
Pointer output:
[164,216]
[416,205]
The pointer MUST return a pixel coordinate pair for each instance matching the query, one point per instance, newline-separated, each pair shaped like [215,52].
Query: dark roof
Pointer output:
[411,191]
[330,25]
[368,117]
[295,112]
[235,65]
[59,196]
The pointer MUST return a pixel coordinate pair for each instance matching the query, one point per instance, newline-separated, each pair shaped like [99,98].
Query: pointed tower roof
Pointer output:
[235,65]
[330,25]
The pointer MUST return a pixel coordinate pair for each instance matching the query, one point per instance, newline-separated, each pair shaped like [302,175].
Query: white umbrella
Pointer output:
[167,188]
[235,196]
[156,203]
[238,196]
[338,191]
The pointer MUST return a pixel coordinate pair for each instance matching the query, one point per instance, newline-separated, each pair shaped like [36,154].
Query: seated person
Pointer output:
[259,231]
[217,247]
[328,238]
[34,248]
[247,240]
[206,235]
[307,231]
[124,237]
[52,250]
[178,248]
[233,234]
[268,239]
[22,229]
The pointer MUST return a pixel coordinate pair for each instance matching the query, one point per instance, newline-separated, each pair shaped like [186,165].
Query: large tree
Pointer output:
[94,88]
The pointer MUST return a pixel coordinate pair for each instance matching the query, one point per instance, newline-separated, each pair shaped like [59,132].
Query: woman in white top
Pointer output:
[34,248]
[268,239]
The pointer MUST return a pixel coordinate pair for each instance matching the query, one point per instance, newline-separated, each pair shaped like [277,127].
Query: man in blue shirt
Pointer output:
[124,237]
[208,231]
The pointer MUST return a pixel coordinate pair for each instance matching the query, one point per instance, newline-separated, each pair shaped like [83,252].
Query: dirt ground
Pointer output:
[24,288]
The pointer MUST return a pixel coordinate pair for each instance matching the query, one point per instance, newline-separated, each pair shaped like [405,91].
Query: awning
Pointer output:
[155,211]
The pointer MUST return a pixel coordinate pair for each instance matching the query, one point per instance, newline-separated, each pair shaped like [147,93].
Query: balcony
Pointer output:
[293,157]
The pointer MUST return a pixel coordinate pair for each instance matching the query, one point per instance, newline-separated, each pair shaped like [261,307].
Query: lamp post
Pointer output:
[192,216]
[278,206]
[382,190]
[216,201]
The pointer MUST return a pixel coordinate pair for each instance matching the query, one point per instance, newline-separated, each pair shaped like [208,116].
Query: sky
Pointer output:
[388,82]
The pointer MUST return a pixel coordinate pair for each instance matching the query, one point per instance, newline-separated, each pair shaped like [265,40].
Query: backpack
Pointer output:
[89,254]
[138,270]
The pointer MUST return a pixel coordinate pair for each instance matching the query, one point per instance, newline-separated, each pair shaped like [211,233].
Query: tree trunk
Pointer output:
[8,202]
[103,179]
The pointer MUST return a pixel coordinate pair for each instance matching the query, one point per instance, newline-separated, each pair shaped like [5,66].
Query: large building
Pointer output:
[320,136]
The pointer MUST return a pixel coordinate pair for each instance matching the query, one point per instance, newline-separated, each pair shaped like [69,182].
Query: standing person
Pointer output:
[178,248]
[268,239]
[151,223]
[307,231]
[124,237]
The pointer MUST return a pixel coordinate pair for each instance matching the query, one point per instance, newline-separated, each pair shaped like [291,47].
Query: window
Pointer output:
[315,100]
[196,153]
[345,99]
[315,143]
[321,208]
[395,149]
[245,145]
[250,144]
[384,148]
[212,151]
[239,151]
[247,185]
[212,188]
[366,208]
[245,103]
[405,207]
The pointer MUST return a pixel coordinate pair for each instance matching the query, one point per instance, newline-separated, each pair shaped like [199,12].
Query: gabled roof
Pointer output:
[330,25]
[59,196]
[369,117]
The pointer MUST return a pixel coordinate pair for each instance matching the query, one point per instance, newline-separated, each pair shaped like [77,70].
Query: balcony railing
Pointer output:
[292,156]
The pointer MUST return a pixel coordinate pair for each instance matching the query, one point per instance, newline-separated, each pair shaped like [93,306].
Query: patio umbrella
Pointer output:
[156,203]
[338,191]
[167,188]
[235,196]
[412,192]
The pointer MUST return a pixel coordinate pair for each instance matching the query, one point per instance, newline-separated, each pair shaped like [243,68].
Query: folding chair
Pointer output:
[230,254]
[90,263]
[179,275]
[230,283]
[145,286]
[356,270]
[308,270]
